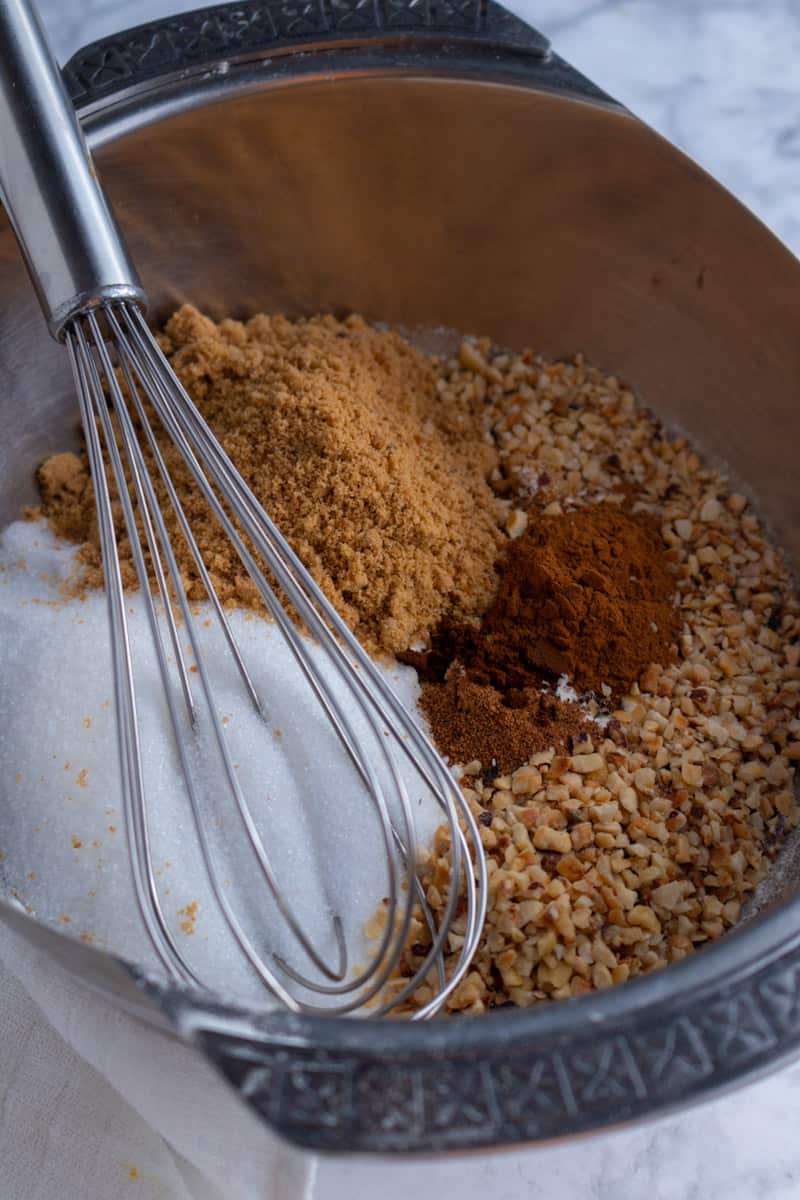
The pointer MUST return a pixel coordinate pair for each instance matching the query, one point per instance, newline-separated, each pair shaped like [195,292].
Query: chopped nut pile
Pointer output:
[643,843]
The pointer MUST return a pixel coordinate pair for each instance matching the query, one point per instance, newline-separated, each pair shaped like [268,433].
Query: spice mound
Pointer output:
[375,474]
[586,594]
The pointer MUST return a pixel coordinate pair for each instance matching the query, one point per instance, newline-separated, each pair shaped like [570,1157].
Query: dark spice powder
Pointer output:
[475,721]
[586,594]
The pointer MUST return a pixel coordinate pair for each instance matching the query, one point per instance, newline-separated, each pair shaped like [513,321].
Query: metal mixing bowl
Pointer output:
[431,163]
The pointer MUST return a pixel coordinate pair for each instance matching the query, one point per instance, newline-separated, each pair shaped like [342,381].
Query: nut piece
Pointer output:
[645,780]
[471,357]
[516,523]
[552,839]
[669,895]
[692,774]
[711,510]
[644,918]
[526,780]
[586,764]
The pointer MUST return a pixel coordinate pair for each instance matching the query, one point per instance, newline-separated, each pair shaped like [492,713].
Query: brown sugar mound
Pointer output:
[377,480]
[586,594]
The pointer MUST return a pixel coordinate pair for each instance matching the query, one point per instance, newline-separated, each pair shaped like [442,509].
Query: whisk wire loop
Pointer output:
[340,723]
[91,402]
[313,607]
[147,506]
[117,397]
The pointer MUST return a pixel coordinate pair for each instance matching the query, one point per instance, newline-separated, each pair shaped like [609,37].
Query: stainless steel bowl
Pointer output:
[433,163]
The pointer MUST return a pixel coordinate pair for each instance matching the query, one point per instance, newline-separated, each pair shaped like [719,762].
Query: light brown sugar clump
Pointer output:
[63,483]
[377,478]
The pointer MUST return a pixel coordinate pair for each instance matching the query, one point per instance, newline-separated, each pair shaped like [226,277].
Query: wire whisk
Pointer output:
[130,401]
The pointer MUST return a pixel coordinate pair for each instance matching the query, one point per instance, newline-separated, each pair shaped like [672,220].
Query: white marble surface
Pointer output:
[720,78]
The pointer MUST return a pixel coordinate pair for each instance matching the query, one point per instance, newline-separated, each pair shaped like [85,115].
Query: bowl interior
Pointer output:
[539,220]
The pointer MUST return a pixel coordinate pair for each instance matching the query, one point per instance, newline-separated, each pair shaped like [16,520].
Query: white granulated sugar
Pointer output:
[62,828]
[565,690]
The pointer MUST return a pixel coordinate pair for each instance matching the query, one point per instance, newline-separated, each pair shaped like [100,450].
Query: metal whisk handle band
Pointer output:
[73,248]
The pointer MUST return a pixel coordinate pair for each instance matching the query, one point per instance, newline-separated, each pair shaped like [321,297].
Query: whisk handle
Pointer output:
[61,216]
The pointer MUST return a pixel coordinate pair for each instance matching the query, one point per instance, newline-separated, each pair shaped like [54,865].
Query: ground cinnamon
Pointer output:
[586,594]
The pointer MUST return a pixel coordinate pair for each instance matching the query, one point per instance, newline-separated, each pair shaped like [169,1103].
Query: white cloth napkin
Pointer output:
[94,1106]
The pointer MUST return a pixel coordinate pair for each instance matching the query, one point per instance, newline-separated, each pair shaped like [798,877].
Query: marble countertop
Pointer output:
[719,78]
